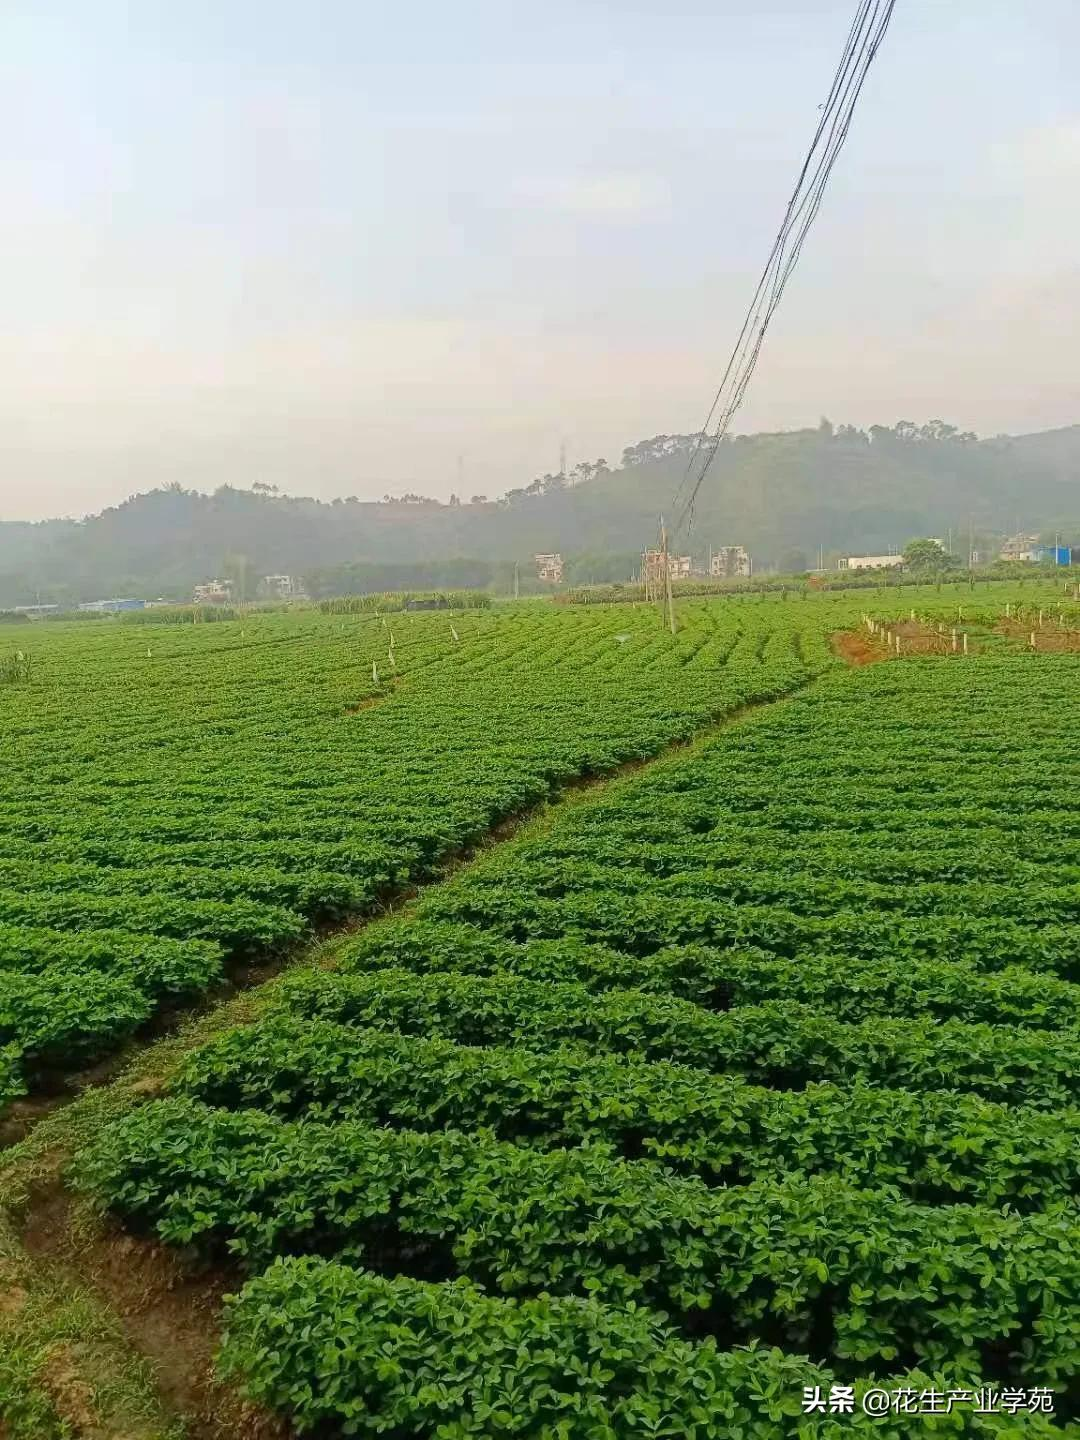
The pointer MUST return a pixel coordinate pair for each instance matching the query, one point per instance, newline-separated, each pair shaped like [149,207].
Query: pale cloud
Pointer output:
[1047,153]
[1038,173]
[622,196]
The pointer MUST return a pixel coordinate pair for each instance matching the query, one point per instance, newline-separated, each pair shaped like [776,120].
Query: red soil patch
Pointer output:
[857,648]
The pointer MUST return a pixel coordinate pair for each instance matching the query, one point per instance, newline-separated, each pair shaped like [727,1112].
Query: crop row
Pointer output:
[1035,903]
[642,921]
[242,928]
[717,978]
[937,1146]
[966,1286]
[780,1044]
[451,1360]
[65,998]
[320,895]
[924,855]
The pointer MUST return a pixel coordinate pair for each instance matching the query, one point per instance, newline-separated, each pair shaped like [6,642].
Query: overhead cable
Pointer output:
[867,31]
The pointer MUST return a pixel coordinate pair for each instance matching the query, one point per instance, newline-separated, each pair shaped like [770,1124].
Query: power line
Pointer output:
[802,209]
[867,31]
[826,109]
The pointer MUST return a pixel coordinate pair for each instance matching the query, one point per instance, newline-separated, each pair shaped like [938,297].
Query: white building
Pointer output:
[652,567]
[1022,547]
[549,568]
[730,562]
[214,592]
[870,562]
[282,587]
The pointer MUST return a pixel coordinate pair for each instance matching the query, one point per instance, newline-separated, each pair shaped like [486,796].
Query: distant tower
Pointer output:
[562,459]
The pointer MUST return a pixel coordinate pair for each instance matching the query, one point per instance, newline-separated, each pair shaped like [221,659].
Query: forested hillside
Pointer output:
[783,495]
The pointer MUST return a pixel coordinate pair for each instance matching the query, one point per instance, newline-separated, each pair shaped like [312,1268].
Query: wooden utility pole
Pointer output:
[667,576]
[517,581]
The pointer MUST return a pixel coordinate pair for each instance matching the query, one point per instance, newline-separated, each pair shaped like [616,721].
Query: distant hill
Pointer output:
[783,495]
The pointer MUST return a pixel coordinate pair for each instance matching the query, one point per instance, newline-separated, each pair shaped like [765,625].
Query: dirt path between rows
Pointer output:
[170,1314]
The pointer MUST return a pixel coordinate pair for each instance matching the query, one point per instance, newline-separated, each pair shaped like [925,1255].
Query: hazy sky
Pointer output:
[335,245]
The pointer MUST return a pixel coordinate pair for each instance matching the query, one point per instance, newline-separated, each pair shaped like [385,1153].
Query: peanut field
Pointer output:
[749,1070]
